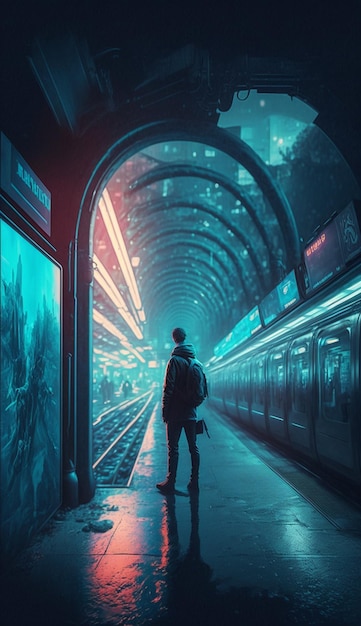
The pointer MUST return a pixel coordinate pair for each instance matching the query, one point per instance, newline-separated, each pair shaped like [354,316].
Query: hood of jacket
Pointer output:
[185,350]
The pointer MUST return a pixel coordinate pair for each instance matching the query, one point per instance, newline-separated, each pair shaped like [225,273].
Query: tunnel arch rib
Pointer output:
[170,203]
[171,171]
[133,141]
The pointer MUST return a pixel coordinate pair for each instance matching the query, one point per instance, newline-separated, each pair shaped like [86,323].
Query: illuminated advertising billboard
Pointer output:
[30,388]
[323,257]
[333,248]
[285,295]
[244,329]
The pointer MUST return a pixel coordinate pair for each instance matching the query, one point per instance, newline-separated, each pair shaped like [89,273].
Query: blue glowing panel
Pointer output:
[270,307]
[254,320]
[285,295]
[30,425]
[246,327]
[287,291]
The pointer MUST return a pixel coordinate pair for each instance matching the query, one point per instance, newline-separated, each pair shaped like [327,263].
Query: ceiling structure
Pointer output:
[207,248]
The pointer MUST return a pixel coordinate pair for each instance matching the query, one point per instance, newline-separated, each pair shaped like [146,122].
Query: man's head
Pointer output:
[179,335]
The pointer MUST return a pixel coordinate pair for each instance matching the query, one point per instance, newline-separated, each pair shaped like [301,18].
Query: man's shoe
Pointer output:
[193,485]
[167,486]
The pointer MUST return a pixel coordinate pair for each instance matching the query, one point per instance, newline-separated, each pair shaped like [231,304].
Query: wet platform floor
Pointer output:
[263,543]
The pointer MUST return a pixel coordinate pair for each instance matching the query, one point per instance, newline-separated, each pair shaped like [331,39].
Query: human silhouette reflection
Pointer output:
[188,576]
[193,595]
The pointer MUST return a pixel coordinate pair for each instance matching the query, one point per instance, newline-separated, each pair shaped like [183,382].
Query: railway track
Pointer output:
[118,434]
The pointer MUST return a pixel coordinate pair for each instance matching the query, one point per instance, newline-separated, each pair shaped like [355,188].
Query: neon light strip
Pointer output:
[112,226]
[103,321]
[108,355]
[106,282]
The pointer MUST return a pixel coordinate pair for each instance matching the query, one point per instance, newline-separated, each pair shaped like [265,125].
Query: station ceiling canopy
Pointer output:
[204,248]
[207,227]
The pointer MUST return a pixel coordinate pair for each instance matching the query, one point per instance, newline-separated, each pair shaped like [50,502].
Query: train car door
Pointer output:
[276,393]
[230,385]
[333,424]
[299,413]
[258,393]
[243,392]
[215,389]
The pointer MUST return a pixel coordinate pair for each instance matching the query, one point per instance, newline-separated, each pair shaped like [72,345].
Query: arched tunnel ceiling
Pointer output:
[205,255]
[96,65]
[204,260]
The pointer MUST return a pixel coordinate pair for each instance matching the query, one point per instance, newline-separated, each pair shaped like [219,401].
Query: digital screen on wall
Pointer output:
[288,292]
[323,257]
[30,388]
[349,232]
[270,307]
[247,326]
[280,298]
[254,320]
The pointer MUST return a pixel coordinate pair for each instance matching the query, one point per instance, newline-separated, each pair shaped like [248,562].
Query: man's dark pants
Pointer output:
[174,429]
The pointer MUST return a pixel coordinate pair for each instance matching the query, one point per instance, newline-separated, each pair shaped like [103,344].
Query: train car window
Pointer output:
[335,379]
[276,379]
[258,381]
[300,372]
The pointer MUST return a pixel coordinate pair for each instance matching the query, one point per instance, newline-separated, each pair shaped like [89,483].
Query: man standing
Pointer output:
[177,414]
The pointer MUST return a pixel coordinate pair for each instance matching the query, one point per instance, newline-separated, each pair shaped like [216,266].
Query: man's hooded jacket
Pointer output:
[173,405]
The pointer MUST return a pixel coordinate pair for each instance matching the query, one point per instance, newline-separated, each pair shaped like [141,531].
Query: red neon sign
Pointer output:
[316,244]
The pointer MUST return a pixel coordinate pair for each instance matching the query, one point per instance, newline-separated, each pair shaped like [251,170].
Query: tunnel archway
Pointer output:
[120,152]
[211,210]
[123,149]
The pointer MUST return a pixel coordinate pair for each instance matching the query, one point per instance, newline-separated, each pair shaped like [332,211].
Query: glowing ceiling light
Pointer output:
[101,354]
[112,226]
[295,322]
[107,324]
[356,286]
[106,282]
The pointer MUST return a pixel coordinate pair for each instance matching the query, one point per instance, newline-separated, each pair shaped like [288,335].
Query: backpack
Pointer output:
[196,390]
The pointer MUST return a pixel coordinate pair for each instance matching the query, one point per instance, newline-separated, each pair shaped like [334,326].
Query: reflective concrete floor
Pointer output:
[249,550]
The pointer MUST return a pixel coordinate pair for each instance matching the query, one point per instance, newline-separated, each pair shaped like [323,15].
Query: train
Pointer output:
[295,378]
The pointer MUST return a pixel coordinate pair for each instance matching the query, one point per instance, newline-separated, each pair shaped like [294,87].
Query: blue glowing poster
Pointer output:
[30,389]
[280,298]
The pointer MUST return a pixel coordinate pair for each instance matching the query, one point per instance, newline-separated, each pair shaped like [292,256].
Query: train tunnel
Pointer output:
[157,169]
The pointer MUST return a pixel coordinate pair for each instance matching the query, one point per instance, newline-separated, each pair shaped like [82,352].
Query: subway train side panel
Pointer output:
[276,393]
[215,389]
[230,385]
[337,354]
